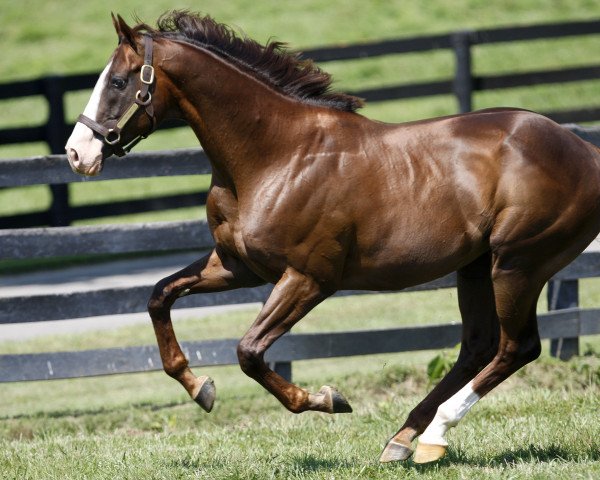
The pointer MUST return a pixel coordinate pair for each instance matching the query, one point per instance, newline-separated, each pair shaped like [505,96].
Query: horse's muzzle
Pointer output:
[78,166]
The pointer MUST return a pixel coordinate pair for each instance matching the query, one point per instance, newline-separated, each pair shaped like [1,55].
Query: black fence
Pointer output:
[564,324]
[462,83]
[568,324]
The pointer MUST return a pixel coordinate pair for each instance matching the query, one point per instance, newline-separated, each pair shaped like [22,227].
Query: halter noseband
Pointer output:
[143,98]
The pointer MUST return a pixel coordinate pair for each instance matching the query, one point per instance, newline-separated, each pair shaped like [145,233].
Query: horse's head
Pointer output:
[121,110]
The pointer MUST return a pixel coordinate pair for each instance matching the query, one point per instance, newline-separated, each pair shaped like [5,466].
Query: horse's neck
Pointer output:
[238,119]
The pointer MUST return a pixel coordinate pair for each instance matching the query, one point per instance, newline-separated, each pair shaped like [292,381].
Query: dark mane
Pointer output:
[272,63]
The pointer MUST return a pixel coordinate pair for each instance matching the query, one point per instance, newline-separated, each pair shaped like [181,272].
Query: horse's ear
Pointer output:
[124,31]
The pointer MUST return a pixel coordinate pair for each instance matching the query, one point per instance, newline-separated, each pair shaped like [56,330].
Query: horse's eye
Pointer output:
[118,82]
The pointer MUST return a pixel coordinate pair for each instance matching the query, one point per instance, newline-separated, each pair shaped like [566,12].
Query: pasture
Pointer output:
[542,423]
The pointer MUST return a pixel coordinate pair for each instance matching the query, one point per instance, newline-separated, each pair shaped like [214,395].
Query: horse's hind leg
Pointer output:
[516,293]
[293,297]
[479,343]
[213,273]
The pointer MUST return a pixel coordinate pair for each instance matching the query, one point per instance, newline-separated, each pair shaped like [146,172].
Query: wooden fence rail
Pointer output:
[289,348]
[563,328]
[462,83]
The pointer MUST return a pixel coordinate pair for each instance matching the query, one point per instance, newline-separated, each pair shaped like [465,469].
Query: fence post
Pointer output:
[56,136]
[563,294]
[463,79]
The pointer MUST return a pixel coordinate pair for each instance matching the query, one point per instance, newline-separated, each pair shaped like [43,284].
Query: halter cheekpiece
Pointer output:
[143,98]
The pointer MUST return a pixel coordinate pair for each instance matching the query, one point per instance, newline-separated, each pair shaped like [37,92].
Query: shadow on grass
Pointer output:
[303,464]
[527,454]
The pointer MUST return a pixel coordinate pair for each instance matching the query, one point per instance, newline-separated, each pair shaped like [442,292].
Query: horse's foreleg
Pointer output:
[213,273]
[292,298]
[479,343]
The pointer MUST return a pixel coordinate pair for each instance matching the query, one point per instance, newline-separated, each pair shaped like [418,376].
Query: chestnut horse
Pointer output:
[313,197]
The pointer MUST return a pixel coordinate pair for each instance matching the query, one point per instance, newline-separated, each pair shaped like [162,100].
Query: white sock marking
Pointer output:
[449,414]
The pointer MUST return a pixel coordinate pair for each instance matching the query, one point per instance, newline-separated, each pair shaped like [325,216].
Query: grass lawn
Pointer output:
[542,423]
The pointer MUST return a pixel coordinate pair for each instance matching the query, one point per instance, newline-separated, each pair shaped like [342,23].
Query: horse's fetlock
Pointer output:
[296,407]
[175,367]
[446,414]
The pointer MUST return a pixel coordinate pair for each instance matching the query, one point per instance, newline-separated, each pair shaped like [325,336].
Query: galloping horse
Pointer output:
[313,197]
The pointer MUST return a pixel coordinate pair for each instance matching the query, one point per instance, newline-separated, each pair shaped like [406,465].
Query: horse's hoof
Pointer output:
[426,453]
[334,400]
[395,451]
[205,396]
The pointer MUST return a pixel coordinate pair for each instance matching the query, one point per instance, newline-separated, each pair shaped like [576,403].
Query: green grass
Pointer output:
[80,36]
[542,423]
[527,430]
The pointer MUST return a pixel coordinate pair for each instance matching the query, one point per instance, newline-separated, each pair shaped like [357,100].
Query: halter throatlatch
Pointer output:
[143,99]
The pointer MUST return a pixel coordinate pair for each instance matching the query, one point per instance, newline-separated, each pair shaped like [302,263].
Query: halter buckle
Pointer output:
[147,69]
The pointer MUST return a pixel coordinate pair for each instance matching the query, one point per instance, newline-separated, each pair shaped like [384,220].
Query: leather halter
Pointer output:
[143,98]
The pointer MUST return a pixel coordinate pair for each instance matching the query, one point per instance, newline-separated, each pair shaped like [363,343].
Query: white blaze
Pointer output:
[84,151]
[448,415]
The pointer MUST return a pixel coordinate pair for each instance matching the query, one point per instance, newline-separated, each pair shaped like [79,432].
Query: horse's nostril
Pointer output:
[73,156]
